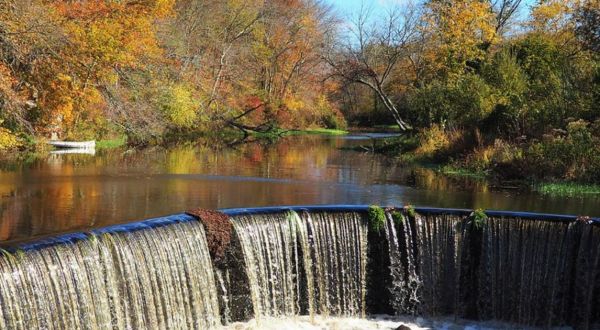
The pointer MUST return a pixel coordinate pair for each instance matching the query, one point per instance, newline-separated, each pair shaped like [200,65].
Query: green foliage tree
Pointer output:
[587,18]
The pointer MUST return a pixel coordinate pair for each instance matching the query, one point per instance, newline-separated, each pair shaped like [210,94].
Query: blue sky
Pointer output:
[349,7]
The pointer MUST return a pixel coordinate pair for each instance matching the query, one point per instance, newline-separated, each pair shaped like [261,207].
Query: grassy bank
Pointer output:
[319,131]
[567,189]
[277,133]
[562,165]
[111,143]
[459,171]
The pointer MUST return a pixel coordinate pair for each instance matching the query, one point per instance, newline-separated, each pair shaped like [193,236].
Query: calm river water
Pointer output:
[68,192]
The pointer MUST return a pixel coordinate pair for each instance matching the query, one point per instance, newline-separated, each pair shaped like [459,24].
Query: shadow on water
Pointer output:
[66,192]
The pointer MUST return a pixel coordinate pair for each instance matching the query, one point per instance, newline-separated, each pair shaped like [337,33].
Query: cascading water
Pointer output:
[539,272]
[309,267]
[530,272]
[156,278]
[437,242]
[405,283]
[313,263]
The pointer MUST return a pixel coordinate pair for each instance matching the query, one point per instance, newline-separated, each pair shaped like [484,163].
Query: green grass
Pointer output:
[280,133]
[459,171]
[109,144]
[388,127]
[567,189]
[321,131]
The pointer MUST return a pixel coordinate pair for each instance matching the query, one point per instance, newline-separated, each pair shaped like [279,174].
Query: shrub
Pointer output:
[410,211]
[398,217]
[466,101]
[8,140]
[437,143]
[478,218]
[179,106]
[376,218]
[574,156]
[333,120]
[330,116]
[486,157]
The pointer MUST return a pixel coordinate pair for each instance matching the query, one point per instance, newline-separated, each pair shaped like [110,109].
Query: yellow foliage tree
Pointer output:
[179,106]
[461,30]
[554,19]
[106,40]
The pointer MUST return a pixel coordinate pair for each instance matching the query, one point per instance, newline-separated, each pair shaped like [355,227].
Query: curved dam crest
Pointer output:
[527,269]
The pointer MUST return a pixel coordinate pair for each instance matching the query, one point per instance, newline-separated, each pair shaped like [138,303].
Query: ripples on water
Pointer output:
[67,192]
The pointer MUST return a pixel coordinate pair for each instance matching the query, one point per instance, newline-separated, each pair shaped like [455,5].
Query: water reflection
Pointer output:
[67,192]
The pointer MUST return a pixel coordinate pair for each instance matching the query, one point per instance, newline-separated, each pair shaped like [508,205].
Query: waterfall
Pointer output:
[539,272]
[437,243]
[159,274]
[530,272]
[405,283]
[310,263]
[156,278]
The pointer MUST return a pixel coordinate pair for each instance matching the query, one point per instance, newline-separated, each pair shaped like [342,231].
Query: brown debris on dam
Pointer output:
[218,230]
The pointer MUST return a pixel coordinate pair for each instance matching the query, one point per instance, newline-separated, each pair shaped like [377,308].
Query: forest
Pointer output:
[509,88]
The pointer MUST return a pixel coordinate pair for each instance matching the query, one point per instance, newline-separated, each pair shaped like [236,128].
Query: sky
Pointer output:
[348,7]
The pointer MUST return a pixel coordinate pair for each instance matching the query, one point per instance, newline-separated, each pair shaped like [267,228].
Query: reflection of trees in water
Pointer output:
[56,193]
[71,192]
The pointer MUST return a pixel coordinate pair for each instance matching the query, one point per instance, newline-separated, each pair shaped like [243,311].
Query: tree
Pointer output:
[462,32]
[587,18]
[372,53]
[504,11]
[30,39]
[256,64]
[553,18]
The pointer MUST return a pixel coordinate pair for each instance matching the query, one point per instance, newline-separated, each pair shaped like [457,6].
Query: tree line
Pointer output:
[500,86]
[478,83]
[146,68]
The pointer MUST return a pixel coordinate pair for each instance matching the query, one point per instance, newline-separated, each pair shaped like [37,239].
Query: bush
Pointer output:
[509,83]
[334,120]
[376,218]
[438,144]
[8,140]
[478,218]
[573,155]
[179,106]
[465,102]
[488,157]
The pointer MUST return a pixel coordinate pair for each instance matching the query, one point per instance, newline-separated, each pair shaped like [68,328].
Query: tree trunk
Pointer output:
[388,103]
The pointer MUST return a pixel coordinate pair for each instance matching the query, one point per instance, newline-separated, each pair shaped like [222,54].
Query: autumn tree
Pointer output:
[30,39]
[108,42]
[289,65]
[256,64]
[374,50]
[554,19]
[461,31]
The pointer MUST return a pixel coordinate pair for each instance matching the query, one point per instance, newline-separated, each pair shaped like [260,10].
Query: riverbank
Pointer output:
[28,145]
[562,166]
[277,133]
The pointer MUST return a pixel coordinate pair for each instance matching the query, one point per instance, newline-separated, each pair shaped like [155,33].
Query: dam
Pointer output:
[212,269]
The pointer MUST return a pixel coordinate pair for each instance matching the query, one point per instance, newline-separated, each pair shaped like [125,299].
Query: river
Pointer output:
[57,193]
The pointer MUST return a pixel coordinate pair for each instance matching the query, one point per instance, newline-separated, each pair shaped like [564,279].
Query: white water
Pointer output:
[377,322]
[148,279]
[308,271]
[314,264]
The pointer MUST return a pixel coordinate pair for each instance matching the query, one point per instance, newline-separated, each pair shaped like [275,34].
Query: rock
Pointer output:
[403,327]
